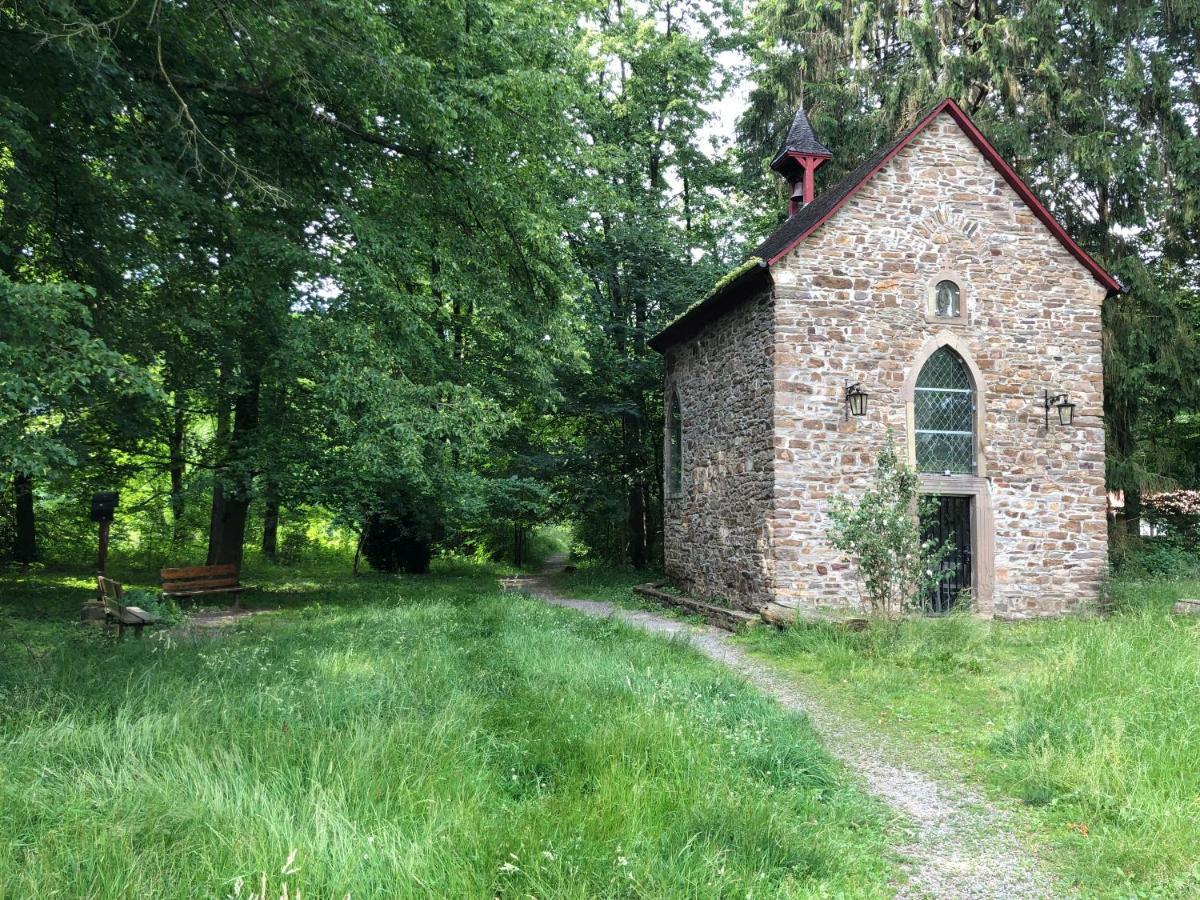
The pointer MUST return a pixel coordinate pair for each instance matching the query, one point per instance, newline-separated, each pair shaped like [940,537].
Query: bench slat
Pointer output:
[226,569]
[193,593]
[187,584]
[133,615]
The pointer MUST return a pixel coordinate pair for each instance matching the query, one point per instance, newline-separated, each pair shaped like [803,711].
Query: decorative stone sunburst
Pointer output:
[942,225]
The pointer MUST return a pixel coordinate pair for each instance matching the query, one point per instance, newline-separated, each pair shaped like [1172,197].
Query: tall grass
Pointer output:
[1093,723]
[407,737]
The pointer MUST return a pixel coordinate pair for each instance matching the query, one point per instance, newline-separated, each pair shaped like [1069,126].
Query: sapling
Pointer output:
[882,533]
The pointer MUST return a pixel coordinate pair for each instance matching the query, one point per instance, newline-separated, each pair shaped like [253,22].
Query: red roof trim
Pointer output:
[998,162]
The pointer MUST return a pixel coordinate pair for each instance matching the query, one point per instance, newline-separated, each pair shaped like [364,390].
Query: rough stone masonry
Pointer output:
[760,374]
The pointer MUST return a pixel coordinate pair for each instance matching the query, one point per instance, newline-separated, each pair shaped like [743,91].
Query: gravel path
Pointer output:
[958,846]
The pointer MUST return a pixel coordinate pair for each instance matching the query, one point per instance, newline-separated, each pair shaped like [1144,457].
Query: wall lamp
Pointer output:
[1062,403]
[856,400]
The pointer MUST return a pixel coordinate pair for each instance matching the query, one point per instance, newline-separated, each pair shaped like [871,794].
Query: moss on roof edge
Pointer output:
[727,279]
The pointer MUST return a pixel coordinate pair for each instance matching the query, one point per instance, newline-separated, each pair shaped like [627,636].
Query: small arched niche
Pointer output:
[947,299]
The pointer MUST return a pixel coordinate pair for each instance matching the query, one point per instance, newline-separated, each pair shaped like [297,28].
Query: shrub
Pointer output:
[1177,511]
[293,547]
[154,603]
[400,536]
[896,566]
[1159,557]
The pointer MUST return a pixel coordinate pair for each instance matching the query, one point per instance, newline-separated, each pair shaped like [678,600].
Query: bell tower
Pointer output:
[799,157]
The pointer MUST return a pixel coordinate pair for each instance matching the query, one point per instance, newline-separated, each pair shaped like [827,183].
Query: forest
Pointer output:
[282,271]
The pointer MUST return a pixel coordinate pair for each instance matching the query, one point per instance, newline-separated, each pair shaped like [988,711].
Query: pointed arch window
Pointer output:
[674,446]
[944,415]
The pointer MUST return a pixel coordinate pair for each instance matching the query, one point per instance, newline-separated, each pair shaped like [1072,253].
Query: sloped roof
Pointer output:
[811,216]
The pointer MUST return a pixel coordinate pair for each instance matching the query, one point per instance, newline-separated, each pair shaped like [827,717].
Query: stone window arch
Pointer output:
[944,392]
[944,415]
[674,446]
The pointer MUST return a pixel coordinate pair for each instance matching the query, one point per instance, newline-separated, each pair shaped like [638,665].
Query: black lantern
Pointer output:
[856,400]
[1062,403]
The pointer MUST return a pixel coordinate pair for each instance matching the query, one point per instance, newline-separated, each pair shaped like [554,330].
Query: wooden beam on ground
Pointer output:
[720,616]
[786,616]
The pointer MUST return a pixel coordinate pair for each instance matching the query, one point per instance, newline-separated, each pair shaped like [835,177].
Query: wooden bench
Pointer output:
[112,596]
[199,580]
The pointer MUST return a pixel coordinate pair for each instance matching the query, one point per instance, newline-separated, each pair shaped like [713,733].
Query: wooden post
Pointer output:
[102,554]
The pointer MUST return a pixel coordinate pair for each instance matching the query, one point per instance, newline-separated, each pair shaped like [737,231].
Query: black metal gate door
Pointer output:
[952,525]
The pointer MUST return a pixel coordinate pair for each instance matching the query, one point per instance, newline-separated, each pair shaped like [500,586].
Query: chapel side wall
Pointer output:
[851,306]
[715,541]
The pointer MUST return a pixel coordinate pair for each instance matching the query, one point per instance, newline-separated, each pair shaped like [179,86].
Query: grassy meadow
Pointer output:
[404,736]
[1092,724]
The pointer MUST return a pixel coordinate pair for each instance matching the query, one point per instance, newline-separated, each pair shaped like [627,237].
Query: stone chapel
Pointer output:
[928,292]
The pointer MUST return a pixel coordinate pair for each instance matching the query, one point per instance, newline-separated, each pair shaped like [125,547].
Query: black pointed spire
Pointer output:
[801,139]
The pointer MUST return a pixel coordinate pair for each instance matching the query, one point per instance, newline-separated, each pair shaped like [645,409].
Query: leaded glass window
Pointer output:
[944,415]
[674,447]
[946,300]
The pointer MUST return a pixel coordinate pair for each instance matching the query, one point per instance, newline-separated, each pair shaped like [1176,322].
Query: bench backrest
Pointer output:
[111,593]
[200,578]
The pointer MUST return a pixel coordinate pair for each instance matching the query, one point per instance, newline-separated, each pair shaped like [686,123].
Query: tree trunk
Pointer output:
[231,502]
[231,535]
[216,519]
[175,451]
[518,546]
[637,527]
[25,542]
[653,524]
[635,449]
[635,513]
[1133,512]
[270,533]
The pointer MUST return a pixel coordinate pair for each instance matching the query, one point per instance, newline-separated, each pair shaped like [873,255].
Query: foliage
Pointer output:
[655,228]
[1171,556]
[153,602]
[53,369]
[279,218]
[882,534]
[1084,720]
[429,731]
[1178,510]
[1094,105]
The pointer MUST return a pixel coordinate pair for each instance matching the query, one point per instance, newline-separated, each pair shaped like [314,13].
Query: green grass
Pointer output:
[1094,724]
[589,580]
[404,737]
[595,581]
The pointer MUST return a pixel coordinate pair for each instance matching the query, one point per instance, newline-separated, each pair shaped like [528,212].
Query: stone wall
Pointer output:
[716,543]
[851,305]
